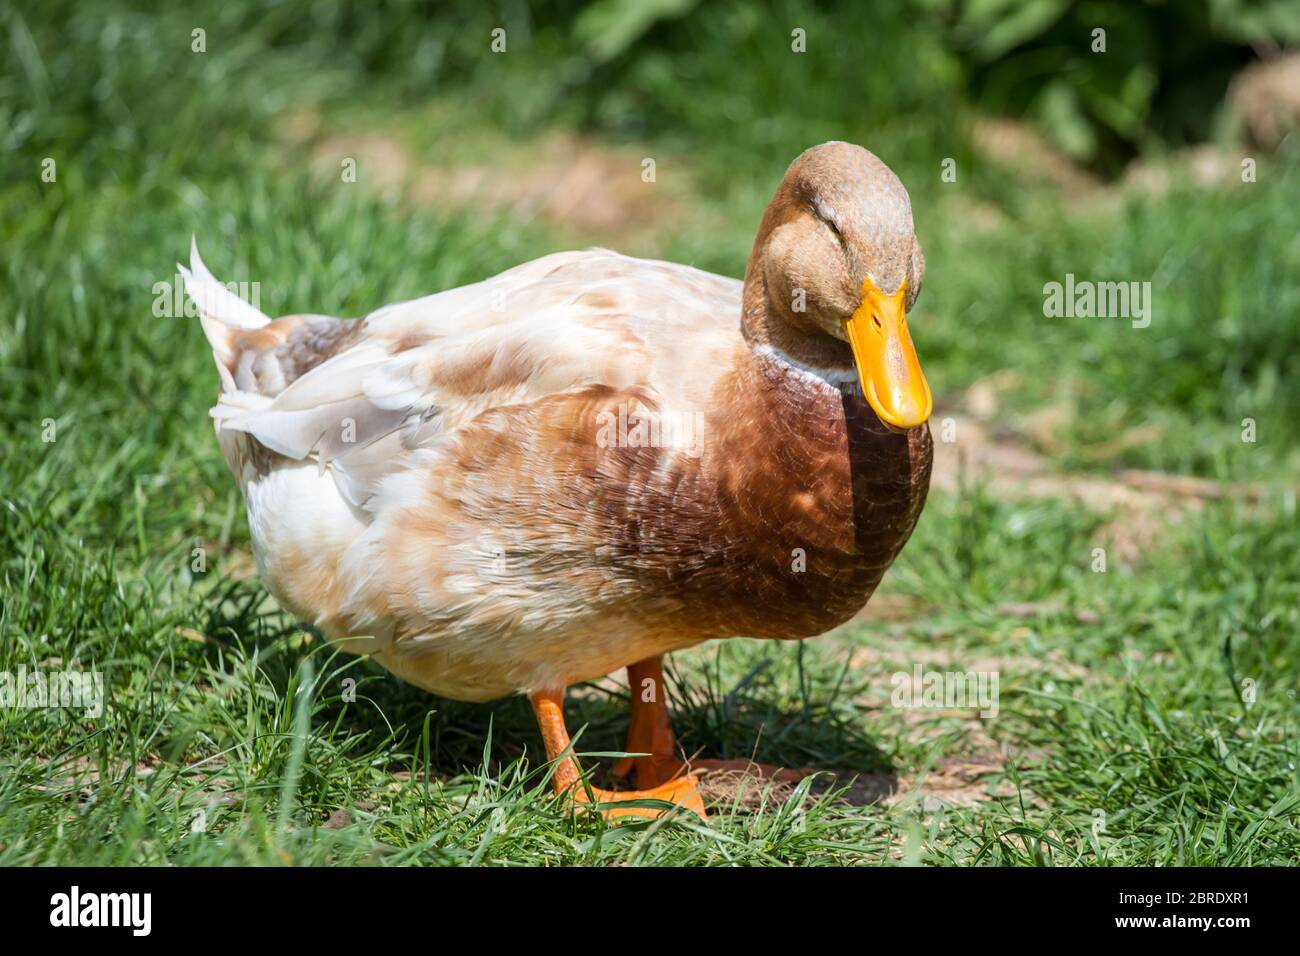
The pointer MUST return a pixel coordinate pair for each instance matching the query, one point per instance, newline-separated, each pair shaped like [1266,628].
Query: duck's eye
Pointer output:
[834,231]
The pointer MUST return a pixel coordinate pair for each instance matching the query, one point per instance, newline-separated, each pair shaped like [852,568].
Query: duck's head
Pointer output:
[833,273]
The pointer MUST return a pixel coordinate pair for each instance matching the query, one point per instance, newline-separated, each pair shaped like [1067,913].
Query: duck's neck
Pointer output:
[773,327]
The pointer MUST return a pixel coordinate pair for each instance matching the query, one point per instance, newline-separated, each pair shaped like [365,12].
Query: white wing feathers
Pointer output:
[326,415]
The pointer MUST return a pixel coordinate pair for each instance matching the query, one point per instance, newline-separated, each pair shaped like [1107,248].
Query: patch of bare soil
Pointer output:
[727,788]
[754,790]
[1205,166]
[574,183]
[1018,145]
[75,780]
[1264,99]
[1266,96]
[338,820]
[1141,503]
[957,780]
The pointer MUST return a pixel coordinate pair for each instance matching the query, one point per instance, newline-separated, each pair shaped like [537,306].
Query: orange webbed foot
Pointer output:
[681,792]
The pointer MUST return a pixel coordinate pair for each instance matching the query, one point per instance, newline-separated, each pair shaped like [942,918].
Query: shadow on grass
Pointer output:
[388,719]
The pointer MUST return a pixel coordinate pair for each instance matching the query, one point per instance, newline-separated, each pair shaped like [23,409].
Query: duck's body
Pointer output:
[602,473]
[590,460]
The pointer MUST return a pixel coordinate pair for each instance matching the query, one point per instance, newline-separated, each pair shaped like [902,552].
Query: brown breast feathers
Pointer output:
[786,524]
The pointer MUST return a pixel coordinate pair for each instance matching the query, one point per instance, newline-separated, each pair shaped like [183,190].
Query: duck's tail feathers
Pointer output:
[223,313]
[235,404]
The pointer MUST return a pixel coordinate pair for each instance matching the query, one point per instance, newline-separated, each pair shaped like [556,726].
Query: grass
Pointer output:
[231,736]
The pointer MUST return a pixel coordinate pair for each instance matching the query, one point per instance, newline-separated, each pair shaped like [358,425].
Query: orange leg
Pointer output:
[548,706]
[651,732]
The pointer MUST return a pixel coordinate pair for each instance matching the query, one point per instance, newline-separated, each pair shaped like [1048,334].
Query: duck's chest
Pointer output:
[811,500]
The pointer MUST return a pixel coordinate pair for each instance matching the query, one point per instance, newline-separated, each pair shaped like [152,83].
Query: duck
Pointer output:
[591,460]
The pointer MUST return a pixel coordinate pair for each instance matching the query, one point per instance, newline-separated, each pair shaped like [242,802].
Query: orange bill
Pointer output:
[887,364]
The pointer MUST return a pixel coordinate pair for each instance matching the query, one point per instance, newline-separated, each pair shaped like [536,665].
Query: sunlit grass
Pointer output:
[229,736]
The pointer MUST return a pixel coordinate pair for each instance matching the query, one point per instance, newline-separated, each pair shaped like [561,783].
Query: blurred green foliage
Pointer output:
[1156,74]
[683,70]
[1102,79]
